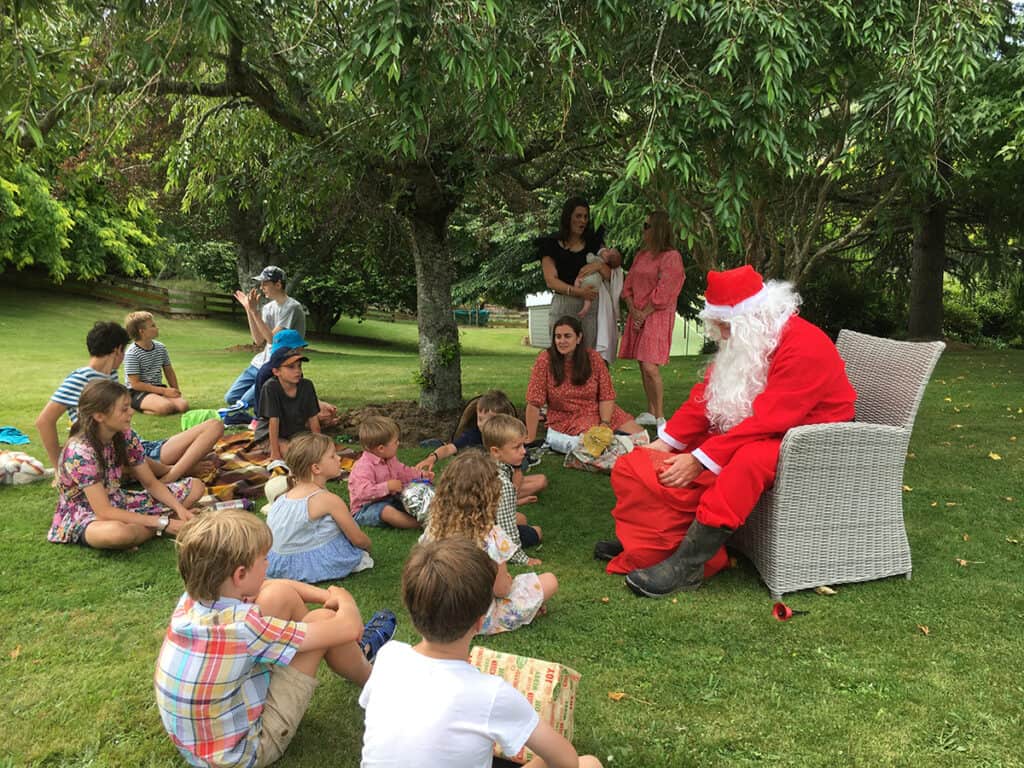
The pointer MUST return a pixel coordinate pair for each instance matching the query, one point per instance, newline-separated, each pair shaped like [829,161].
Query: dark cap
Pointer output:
[285,357]
[270,273]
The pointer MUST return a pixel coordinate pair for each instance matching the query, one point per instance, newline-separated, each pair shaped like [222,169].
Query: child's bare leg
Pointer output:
[345,659]
[520,518]
[159,405]
[530,485]
[186,449]
[281,600]
[548,584]
[585,308]
[396,518]
[113,534]
[586,761]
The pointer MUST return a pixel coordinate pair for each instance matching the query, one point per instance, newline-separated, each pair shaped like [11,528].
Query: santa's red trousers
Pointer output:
[651,520]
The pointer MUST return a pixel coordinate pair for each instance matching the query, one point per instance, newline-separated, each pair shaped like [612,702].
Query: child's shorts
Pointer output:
[152,448]
[287,701]
[369,514]
[528,536]
[137,397]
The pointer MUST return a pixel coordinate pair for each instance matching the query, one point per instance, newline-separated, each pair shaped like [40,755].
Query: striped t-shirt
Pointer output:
[70,390]
[147,364]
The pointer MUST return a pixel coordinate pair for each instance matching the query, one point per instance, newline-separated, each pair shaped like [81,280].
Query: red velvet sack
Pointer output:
[650,519]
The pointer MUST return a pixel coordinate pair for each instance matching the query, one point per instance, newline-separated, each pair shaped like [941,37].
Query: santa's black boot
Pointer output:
[608,550]
[683,570]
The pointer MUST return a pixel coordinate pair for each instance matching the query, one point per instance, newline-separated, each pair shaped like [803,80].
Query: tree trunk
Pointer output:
[440,375]
[254,254]
[928,257]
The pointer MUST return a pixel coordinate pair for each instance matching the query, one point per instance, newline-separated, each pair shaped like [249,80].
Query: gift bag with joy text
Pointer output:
[550,687]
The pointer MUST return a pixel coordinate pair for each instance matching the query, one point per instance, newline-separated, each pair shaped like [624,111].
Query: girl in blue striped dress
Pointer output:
[315,537]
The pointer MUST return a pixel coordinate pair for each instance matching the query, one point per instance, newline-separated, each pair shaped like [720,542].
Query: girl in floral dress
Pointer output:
[92,508]
[466,505]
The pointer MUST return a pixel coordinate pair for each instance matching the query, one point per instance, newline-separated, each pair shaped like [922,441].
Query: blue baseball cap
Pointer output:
[287,339]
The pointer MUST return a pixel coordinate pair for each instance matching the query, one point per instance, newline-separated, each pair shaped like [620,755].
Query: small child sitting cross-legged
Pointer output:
[504,437]
[377,479]
[466,505]
[238,665]
[315,537]
[146,363]
[426,705]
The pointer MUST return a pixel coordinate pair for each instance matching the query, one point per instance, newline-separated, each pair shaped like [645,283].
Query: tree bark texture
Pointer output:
[440,376]
[253,252]
[928,263]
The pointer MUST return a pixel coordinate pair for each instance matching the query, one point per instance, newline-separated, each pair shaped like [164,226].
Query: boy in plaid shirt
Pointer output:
[238,665]
[504,438]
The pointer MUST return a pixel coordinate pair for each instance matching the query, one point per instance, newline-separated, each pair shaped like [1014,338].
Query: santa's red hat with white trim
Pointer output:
[732,293]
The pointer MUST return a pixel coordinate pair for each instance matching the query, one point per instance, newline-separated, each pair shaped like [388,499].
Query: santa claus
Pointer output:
[701,478]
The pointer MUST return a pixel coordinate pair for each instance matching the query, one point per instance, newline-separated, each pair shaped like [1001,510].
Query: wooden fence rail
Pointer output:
[178,301]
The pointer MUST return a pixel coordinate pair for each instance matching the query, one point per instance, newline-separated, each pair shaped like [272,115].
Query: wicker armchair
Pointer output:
[835,513]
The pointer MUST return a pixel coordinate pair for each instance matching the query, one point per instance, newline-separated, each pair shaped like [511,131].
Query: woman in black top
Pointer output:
[563,258]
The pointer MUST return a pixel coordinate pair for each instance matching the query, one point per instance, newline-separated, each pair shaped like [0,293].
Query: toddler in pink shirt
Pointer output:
[377,479]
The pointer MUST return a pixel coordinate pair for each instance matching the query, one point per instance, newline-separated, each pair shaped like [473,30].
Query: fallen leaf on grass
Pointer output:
[1012,541]
[957,426]
[827,591]
[907,488]
[1013,438]
[950,503]
[924,629]
[911,455]
[675,600]
[1008,498]
[947,399]
[964,563]
[604,600]
[966,537]
[934,504]
[994,456]
[616,695]
[16,652]
[955,409]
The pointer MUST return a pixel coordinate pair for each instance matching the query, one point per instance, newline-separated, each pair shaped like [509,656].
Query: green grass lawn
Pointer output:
[710,678]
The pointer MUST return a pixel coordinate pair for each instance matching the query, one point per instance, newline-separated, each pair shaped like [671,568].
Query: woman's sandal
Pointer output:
[378,630]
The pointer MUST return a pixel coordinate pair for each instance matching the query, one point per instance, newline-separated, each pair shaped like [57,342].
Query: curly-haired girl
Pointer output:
[465,505]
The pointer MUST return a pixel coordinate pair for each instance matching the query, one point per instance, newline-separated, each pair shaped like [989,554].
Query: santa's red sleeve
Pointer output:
[690,421]
[806,384]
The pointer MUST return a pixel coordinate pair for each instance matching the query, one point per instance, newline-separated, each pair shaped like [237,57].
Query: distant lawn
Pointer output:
[710,678]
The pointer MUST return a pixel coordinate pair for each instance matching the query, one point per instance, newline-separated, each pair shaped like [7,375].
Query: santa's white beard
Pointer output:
[740,368]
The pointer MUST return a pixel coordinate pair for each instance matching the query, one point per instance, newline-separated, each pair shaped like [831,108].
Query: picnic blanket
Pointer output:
[240,471]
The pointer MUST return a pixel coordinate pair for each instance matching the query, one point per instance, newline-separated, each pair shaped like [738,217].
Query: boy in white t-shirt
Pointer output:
[426,705]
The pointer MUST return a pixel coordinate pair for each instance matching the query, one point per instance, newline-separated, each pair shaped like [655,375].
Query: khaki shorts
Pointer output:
[287,700]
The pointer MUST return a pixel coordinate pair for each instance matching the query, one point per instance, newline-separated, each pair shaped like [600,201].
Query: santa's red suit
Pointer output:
[806,384]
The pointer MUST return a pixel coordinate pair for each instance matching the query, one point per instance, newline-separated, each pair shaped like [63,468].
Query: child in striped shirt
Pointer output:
[146,363]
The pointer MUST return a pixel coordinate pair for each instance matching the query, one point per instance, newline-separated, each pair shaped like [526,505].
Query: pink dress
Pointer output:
[572,409]
[656,278]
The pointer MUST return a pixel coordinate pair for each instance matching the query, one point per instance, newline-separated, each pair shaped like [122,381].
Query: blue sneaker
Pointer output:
[237,419]
[379,629]
[240,405]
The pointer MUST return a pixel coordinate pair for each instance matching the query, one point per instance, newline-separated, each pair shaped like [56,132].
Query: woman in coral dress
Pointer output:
[650,292]
[574,383]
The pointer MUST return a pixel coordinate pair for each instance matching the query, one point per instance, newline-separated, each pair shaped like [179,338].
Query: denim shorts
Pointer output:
[152,448]
[369,514]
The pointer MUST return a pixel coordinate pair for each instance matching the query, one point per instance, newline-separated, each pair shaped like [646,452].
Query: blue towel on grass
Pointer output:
[13,436]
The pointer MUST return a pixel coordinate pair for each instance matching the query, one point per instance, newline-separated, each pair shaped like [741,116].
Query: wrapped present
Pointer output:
[549,686]
[416,498]
[582,458]
[19,468]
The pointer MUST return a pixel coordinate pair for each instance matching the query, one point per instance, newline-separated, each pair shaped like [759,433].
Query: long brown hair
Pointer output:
[580,356]
[661,236]
[466,501]
[100,396]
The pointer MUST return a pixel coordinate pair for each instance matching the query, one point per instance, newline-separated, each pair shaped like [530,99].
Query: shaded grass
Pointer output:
[709,679]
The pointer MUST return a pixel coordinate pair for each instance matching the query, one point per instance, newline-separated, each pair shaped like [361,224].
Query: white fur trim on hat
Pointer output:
[726,312]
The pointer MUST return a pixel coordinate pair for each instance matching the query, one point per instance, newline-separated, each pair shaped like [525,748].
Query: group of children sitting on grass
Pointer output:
[237,668]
